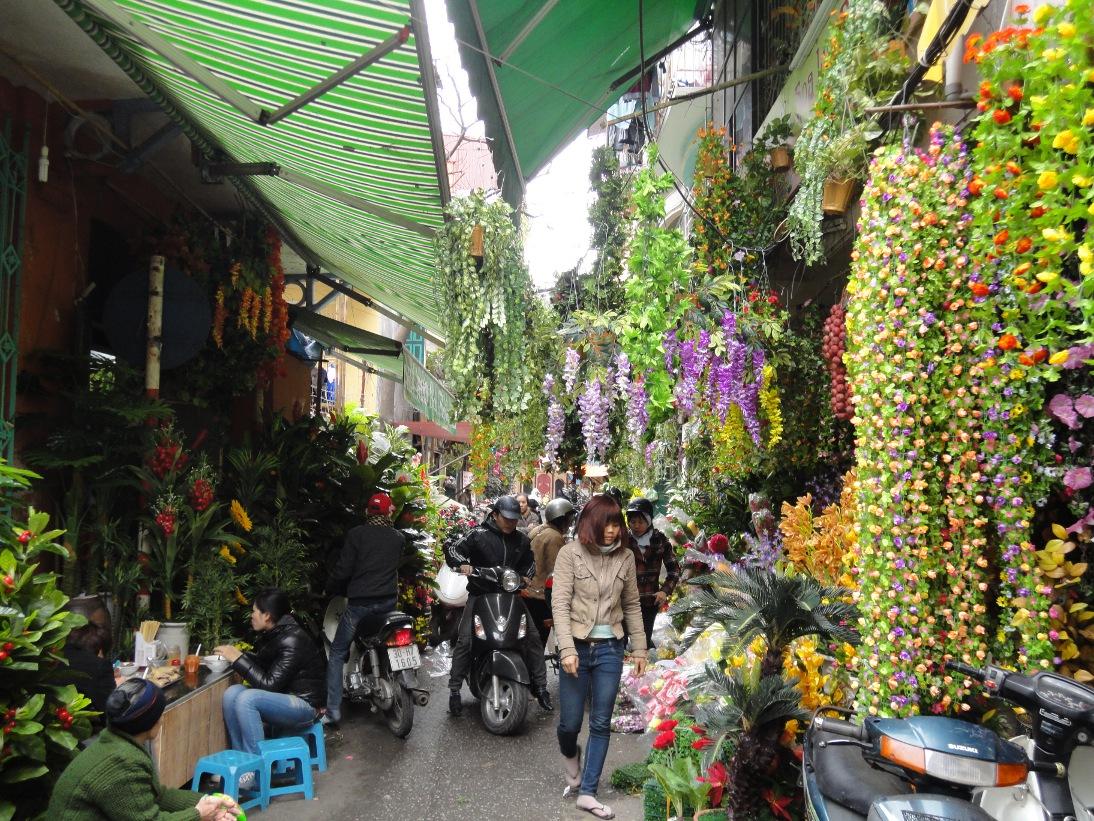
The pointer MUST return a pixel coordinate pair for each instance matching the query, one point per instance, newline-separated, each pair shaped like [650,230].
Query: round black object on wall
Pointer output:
[187,319]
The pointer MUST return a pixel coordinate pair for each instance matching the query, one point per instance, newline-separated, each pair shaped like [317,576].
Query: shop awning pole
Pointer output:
[360,64]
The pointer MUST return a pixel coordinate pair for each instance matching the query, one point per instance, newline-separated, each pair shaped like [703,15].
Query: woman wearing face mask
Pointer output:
[651,550]
[595,594]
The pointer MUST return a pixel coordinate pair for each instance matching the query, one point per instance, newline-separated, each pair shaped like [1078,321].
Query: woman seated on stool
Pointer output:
[287,673]
[114,778]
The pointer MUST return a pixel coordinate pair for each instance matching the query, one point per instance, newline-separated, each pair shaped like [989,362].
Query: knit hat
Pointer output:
[135,706]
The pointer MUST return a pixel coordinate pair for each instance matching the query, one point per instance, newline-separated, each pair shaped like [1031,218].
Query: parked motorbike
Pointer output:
[944,769]
[499,677]
[382,668]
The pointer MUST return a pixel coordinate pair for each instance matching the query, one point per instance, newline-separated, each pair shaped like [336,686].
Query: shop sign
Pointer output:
[428,394]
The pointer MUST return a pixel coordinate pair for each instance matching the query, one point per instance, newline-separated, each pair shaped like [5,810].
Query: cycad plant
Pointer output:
[749,710]
[780,607]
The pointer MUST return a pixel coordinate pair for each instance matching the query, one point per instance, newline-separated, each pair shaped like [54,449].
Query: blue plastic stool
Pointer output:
[229,765]
[275,751]
[317,743]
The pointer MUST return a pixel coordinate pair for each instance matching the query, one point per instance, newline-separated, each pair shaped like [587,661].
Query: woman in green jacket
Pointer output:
[115,779]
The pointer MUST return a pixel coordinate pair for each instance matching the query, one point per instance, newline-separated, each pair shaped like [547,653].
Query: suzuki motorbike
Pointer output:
[499,677]
[944,769]
[1060,781]
[382,668]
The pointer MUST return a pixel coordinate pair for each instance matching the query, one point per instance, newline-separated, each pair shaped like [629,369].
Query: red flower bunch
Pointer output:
[201,494]
[168,454]
[718,777]
[974,52]
[702,743]
[718,543]
[664,739]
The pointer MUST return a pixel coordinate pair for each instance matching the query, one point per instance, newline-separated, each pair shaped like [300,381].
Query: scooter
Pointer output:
[499,677]
[944,769]
[1060,781]
[382,668]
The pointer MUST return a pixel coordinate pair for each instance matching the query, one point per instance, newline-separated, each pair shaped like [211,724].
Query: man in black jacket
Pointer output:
[368,569]
[494,543]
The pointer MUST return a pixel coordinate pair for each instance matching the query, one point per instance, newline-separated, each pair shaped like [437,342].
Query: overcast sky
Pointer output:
[557,199]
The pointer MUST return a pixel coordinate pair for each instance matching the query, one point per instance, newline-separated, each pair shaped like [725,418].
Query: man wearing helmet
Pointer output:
[494,543]
[651,550]
[367,571]
[547,540]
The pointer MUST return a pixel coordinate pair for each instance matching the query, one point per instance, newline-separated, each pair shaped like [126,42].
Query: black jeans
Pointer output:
[461,654]
[649,613]
[540,613]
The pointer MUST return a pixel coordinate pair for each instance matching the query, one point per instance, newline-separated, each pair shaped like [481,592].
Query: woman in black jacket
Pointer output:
[287,674]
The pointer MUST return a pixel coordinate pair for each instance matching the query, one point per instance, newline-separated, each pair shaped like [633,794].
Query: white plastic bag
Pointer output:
[664,634]
[451,587]
[437,661]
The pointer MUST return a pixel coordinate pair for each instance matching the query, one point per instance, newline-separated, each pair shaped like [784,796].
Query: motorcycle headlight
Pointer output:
[480,631]
[522,631]
[510,581]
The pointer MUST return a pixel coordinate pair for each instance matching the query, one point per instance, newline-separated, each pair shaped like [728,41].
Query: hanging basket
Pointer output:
[837,195]
[780,158]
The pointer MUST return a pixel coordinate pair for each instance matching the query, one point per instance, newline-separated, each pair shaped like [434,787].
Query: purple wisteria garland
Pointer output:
[595,405]
[569,370]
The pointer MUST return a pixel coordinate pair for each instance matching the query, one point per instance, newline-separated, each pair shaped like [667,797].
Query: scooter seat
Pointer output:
[845,777]
[370,627]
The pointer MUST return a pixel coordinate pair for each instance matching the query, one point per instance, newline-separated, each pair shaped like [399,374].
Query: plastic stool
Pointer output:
[317,743]
[279,750]
[229,765]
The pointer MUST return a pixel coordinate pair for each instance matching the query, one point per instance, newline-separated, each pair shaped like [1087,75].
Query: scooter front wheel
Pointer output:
[504,706]
[400,716]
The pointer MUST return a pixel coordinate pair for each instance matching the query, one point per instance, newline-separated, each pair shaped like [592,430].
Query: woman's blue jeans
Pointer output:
[246,708]
[599,669]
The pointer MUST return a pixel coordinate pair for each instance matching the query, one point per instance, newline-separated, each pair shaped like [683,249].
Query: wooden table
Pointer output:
[193,726]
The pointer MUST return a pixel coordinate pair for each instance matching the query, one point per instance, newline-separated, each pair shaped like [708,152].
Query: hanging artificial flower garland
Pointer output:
[485,309]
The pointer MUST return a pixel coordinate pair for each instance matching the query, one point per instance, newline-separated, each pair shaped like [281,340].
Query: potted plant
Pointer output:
[845,158]
[680,782]
[776,135]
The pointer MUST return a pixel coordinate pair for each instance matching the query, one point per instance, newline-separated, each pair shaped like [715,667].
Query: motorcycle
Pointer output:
[382,667]
[499,677]
[944,769]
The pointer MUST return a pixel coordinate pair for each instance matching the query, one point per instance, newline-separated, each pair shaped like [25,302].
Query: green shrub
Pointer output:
[630,777]
[41,723]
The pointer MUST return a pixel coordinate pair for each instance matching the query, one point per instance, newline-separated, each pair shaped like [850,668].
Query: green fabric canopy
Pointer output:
[361,184]
[558,61]
[365,348]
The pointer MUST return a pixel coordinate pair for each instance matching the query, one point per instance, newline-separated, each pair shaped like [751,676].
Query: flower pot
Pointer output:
[780,158]
[837,195]
[477,242]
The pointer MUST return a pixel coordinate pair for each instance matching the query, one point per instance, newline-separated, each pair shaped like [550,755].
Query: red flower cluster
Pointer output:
[718,543]
[201,494]
[664,739]
[974,51]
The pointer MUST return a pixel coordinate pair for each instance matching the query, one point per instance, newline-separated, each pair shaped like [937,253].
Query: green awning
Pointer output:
[553,67]
[360,172]
[364,348]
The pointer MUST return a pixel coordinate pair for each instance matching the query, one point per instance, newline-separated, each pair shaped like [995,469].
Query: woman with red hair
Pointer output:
[595,594]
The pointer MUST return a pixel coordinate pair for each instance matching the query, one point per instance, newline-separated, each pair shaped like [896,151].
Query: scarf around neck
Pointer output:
[605,549]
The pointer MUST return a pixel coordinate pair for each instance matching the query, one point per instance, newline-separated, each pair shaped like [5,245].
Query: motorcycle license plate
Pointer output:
[403,658]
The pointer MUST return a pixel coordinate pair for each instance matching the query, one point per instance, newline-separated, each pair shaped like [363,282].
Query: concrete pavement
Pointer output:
[452,769]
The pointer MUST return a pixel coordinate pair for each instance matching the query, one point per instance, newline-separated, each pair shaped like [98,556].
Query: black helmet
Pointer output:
[507,506]
[641,505]
[557,509]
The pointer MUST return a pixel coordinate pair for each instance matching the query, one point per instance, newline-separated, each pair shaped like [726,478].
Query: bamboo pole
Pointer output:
[881,109]
[155,328]
[703,92]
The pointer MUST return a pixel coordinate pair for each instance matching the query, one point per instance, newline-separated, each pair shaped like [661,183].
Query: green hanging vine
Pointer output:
[485,306]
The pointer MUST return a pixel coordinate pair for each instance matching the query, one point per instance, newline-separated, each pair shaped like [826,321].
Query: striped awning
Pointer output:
[355,177]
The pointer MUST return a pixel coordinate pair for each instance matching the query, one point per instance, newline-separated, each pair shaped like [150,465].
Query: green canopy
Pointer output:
[553,68]
[363,348]
[353,171]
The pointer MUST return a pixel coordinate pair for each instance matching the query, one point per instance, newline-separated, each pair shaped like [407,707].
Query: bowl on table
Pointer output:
[216,664]
[127,669]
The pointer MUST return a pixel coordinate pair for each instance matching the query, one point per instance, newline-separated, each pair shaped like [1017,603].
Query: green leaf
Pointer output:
[23,772]
[61,738]
[32,708]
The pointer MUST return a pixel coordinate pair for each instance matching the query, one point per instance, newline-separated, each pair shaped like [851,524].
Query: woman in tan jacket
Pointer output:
[595,593]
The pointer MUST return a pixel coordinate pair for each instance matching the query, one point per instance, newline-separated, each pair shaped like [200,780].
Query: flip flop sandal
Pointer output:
[599,811]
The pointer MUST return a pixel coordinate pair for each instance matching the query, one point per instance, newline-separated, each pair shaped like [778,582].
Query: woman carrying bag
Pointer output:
[594,604]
